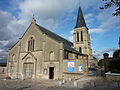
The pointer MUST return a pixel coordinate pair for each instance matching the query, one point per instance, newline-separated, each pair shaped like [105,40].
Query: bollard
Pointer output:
[93,84]
[75,83]
[70,79]
[60,83]
[63,81]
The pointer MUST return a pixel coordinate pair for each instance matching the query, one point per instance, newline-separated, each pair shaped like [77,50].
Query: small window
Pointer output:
[80,49]
[31,44]
[52,56]
[77,36]
[81,36]
[13,57]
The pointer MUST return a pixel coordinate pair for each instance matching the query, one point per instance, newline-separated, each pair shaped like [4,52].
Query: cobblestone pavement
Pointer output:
[86,83]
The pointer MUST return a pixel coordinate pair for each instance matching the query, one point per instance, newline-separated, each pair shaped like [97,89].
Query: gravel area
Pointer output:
[32,85]
[85,83]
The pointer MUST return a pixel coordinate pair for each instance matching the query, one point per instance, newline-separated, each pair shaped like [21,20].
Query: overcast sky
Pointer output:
[58,16]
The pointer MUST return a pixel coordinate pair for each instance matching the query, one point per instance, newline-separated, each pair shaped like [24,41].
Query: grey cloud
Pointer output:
[10,31]
[99,54]
[4,50]
[5,19]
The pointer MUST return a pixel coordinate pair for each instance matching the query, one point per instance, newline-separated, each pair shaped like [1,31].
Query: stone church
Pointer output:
[42,54]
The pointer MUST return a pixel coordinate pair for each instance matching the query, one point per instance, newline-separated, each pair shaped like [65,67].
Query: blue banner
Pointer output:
[71,69]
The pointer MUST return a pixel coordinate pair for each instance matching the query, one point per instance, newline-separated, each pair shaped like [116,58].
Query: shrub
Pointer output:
[114,65]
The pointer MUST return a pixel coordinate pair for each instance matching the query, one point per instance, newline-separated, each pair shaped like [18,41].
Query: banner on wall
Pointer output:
[71,66]
[80,66]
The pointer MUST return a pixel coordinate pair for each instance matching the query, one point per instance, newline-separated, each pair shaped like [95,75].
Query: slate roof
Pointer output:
[67,44]
[80,19]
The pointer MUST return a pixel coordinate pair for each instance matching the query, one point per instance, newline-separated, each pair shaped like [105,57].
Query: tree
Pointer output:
[111,3]
[114,65]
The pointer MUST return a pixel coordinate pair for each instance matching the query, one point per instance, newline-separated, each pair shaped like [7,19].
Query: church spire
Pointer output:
[80,19]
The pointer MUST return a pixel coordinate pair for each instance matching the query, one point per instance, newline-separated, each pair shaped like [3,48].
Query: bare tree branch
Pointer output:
[111,3]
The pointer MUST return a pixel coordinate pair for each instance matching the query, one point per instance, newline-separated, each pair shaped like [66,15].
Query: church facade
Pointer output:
[42,54]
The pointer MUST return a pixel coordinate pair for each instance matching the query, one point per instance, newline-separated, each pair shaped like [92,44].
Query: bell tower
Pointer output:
[81,37]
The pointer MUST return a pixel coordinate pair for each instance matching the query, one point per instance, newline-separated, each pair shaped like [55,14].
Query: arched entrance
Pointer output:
[51,72]
[28,67]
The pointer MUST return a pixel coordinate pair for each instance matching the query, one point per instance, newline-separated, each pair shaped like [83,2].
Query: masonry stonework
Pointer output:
[42,54]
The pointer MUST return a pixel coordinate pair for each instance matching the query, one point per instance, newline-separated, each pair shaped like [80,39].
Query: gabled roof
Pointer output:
[80,19]
[67,44]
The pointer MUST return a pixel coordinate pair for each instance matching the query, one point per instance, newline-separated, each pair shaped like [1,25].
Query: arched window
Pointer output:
[52,56]
[31,43]
[13,57]
[81,36]
[12,69]
[77,36]
[80,49]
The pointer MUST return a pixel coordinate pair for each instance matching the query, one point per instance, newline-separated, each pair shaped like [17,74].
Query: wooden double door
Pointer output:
[28,70]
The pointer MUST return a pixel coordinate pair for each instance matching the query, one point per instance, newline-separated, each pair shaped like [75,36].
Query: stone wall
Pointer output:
[72,76]
[113,76]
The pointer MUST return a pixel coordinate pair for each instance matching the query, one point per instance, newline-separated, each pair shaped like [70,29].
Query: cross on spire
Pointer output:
[33,16]
[79,3]
[33,19]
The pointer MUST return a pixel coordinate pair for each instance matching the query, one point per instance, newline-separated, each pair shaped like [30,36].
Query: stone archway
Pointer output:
[28,70]
[28,67]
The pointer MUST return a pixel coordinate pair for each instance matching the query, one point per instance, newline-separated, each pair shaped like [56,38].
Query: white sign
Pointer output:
[80,67]
[71,66]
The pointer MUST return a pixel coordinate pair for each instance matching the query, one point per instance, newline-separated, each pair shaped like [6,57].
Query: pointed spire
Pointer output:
[33,19]
[80,19]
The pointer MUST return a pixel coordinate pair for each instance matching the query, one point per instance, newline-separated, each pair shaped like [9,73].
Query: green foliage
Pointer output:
[116,54]
[100,63]
[114,65]
[111,3]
